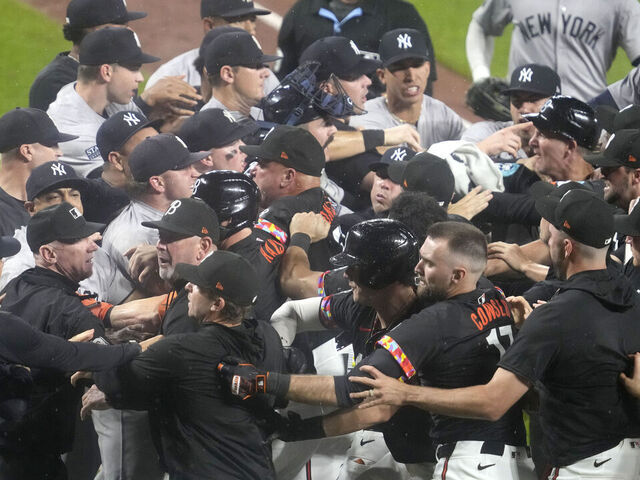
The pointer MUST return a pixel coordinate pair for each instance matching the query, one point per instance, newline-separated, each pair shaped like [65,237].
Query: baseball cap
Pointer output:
[229,8]
[190,217]
[159,154]
[62,222]
[209,37]
[569,118]
[235,49]
[52,175]
[339,56]
[623,149]
[628,224]
[228,274]
[427,173]
[392,155]
[113,45]
[402,43]
[292,147]
[29,125]
[580,214]
[119,128]
[213,128]
[613,120]
[9,246]
[534,78]
[91,13]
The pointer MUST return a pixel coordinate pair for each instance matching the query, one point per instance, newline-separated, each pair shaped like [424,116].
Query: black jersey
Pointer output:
[572,350]
[14,215]
[61,70]
[457,343]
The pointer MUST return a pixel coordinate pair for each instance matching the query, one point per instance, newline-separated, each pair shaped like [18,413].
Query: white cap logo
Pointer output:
[182,142]
[609,141]
[75,213]
[135,35]
[404,41]
[131,119]
[525,75]
[228,116]
[398,154]
[124,2]
[173,207]
[354,47]
[58,169]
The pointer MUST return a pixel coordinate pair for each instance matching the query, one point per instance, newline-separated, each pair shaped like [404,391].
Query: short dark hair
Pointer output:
[232,312]
[74,33]
[88,73]
[464,240]
[418,211]
[215,80]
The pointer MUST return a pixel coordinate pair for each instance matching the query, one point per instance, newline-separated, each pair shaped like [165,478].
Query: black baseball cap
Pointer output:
[213,128]
[613,120]
[581,214]
[209,37]
[229,8]
[29,125]
[403,43]
[51,175]
[628,224]
[9,246]
[622,150]
[568,118]
[292,147]
[190,217]
[119,128]
[392,155]
[427,173]
[339,56]
[534,78]
[62,222]
[91,13]
[235,49]
[159,154]
[228,274]
[113,45]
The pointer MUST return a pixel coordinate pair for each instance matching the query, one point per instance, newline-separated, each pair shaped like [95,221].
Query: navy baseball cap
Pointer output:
[622,150]
[229,8]
[339,56]
[9,246]
[209,37]
[293,147]
[29,125]
[113,45]
[51,175]
[235,49]
[392,155]
[62,222]
[213,128]
[91,13]
[228,274]
[119,128]
[534,78]
[427,173]
[189,217]
[161,153]
[401,44]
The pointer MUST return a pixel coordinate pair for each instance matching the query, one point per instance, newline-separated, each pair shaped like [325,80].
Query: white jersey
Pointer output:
[113,283]
[437,122]
[183,65]
[71,114]
[626,91]
[255,113]
[576,38]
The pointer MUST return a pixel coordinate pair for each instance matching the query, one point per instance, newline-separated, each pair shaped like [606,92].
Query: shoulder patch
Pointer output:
[92,152]
[507,169]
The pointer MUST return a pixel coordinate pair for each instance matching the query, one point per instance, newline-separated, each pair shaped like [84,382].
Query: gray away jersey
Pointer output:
[576,38]
[626,91]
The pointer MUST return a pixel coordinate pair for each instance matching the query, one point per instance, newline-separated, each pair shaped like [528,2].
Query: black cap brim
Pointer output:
[601,160]
[131,16]
[190,273]
[378,167]
[80,184]
[193,157]
[87,230]
[257,151]
[241,12]
[626,225]
[146,58]
[269,58]
[9,246]
[396,170]
[546,207]
[404,56]
[168,227]
[367,65]
[537,91]
[60,138]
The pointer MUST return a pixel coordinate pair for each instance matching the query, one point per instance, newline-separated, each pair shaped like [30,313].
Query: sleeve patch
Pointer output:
[321,284]
[391,346]
[272,229]
[325,308]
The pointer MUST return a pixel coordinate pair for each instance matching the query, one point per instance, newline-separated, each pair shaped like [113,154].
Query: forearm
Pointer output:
[538,252]
[353,419]
[346,144]
[479,48]
[535,271]
[297,280]
[470,402]
[135,312]
[312,389]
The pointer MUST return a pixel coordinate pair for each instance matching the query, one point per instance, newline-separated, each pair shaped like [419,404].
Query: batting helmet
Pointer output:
[569,118]
[379,252]
[232,195]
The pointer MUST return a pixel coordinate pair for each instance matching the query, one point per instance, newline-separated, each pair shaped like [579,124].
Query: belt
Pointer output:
[445,450]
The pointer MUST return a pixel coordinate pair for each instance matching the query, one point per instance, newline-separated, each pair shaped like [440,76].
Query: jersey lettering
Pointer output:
[271,249]
[488,312]
[506,335]
[530,29]
[580,29]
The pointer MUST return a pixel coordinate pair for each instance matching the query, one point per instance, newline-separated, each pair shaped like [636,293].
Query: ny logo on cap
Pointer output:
[525,75]
[228,116]
[135,36]
[398,154]
[173,207]
[404,41]
[182,142]
[75,213]
[58,169]
[131,119]
[354,47]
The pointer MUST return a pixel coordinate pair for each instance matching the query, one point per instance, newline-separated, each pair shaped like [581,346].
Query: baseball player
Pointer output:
[621,93]
[577,39]
[405,61]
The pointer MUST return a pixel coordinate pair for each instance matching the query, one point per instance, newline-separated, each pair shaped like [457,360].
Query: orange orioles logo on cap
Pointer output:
[204,231]
[632,159]
[219,286]
[284,156]
[566,225]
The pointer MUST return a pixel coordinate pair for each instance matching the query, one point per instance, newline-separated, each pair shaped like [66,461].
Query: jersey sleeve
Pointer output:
[626,91]
[493,16]
[536,345]
[628,25]
[339,311]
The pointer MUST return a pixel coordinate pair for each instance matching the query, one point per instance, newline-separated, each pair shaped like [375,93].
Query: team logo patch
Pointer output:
[92,152]
[284,156]
[632,159]
[525,75]
[173,207]
[404,41]
[507,169]
[131,119]
[399,154]
[566,225]
[204,231]
[75,213]
[219,286]
[58,169]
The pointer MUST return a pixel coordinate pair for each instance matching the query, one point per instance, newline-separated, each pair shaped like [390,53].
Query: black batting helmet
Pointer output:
[569,118]
[232,195]
[379,252]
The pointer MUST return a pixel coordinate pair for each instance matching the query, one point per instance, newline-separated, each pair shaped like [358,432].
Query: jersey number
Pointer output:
[494,338]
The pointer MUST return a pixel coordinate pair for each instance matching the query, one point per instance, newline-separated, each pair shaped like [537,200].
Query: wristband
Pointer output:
[278,384]
[372,139]
[302,240]
[106,321]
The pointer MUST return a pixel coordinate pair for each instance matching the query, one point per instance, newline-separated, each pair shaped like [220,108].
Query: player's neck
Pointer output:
[407,112]
[155,200]
[234,238]
[394,303]
[579,265]
[95,95]
[13,178]
[231,100]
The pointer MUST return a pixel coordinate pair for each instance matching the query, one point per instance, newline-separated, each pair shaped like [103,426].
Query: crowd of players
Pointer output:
[226,269]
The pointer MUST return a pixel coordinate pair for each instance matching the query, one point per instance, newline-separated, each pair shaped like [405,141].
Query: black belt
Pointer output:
[445,450]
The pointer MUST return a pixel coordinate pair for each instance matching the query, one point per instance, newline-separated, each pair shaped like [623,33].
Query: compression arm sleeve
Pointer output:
[479,47]
[297,316]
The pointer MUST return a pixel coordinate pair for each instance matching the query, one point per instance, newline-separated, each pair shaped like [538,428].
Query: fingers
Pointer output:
[130,252]
[519,127]
[147,343]
[79,376]
[85,336]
